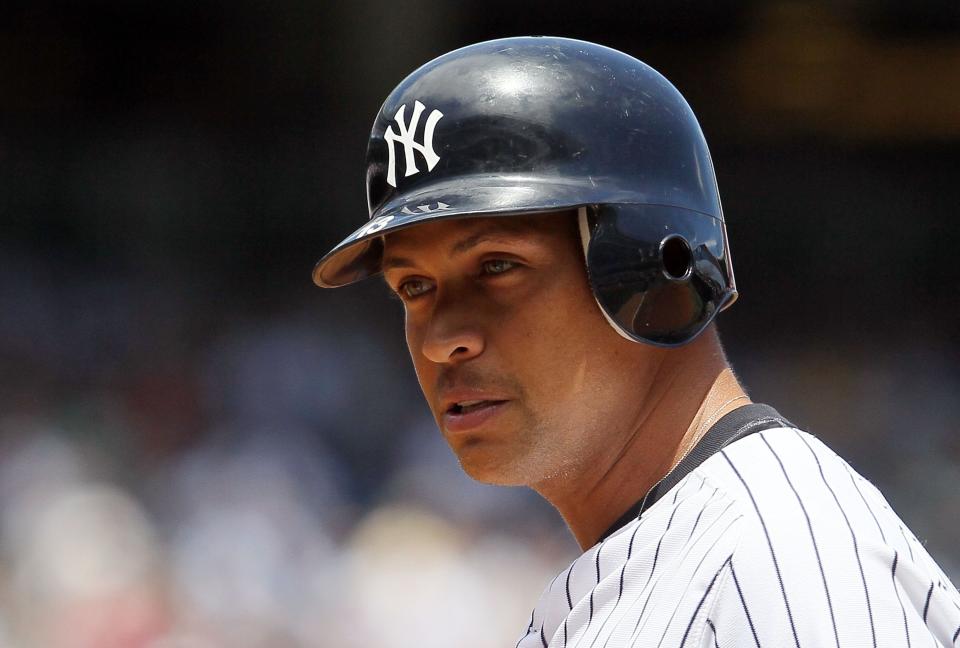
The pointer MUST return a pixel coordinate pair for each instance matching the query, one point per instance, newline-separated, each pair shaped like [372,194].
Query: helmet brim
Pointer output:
[359,255]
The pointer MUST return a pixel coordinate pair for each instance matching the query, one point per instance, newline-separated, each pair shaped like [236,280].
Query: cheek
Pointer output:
[411,335]
[560,339]
[425,370]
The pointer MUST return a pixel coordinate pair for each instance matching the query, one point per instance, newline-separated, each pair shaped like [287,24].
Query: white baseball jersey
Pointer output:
[761,537]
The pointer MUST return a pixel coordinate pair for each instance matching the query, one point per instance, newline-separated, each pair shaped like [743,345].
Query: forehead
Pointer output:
[457,232]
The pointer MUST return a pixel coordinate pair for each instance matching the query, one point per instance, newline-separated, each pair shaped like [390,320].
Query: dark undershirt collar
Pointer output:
[734,425]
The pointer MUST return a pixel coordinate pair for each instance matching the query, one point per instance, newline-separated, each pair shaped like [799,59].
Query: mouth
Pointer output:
[466,415]
[466,407]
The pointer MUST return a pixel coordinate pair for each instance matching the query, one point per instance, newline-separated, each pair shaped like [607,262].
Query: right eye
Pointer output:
[413,288]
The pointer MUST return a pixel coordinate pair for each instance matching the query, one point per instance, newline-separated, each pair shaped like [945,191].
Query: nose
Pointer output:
[454,333]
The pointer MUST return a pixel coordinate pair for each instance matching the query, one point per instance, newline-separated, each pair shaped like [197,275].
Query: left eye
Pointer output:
[497,266]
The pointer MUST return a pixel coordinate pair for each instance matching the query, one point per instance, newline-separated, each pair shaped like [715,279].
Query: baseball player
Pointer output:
[547,211]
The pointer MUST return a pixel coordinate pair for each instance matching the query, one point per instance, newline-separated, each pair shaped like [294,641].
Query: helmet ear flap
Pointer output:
[658,273]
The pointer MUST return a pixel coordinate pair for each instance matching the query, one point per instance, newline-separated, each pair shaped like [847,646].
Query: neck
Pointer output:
[693,389]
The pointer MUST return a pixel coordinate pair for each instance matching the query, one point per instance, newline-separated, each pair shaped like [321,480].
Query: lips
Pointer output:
[468,409]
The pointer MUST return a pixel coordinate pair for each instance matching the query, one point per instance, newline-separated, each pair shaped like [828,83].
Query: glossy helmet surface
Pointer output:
[542,124]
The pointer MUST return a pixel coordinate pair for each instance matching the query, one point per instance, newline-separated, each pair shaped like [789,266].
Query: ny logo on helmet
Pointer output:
[410,144]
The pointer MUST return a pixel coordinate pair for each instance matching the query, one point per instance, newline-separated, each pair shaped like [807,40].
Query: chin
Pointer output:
[491,467]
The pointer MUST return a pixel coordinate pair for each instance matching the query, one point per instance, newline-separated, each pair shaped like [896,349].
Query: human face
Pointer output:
[524,377]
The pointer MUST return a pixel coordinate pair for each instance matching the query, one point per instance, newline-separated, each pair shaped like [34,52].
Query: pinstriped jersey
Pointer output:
[772,541]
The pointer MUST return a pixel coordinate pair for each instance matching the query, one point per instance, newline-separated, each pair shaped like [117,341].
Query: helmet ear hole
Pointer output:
[676,257]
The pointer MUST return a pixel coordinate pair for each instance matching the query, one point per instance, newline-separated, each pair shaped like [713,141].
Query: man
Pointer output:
[546,210]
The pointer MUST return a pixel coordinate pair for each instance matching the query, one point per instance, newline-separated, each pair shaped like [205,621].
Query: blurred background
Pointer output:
[198,448]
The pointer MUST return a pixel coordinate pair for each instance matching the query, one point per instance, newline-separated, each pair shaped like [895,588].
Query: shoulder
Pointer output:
[804,506]
[794,490]
[822,557]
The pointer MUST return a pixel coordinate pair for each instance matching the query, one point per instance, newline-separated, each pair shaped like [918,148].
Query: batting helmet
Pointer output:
[537,124]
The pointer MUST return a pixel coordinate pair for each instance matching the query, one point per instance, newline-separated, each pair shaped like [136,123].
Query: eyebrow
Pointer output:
[395,262]
[491,233]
